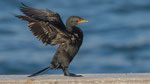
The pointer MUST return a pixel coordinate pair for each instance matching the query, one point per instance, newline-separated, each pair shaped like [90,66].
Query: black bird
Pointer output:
[48,27]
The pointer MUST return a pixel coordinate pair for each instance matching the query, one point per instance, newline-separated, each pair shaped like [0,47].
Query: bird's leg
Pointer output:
[66,73]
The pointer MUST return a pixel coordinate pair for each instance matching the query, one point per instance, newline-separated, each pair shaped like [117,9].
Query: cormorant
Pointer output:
[48,27]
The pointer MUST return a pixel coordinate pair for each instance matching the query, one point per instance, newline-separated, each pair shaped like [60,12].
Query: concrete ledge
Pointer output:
[131,78]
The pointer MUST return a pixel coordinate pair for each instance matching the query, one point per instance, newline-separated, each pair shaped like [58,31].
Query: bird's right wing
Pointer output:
[43,15]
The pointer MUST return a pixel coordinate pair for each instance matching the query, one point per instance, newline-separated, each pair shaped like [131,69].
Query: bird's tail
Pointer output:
[35,74]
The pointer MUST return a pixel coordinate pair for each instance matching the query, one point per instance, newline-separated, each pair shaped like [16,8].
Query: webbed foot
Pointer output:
[73,75]
[66,73]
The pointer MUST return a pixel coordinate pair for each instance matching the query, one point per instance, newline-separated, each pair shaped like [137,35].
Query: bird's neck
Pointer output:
[69,27]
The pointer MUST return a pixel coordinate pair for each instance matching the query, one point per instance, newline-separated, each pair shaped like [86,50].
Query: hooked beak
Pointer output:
[82,21]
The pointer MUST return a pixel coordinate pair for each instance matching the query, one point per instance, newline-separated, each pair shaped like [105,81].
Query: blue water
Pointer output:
[116,38]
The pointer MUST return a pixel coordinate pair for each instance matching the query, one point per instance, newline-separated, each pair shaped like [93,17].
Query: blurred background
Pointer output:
[116,38]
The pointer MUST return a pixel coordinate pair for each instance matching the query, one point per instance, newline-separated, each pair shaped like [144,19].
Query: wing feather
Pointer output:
[45,25]
[43,15]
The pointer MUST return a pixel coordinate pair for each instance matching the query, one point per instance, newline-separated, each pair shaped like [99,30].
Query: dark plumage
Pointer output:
[48,27]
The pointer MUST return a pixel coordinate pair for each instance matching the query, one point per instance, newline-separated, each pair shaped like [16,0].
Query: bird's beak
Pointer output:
[82,21]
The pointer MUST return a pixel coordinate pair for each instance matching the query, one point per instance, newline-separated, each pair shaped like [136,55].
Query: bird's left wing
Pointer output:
[46,25]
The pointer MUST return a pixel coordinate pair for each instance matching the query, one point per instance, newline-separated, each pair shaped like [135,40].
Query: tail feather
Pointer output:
[35,74]
[51,67]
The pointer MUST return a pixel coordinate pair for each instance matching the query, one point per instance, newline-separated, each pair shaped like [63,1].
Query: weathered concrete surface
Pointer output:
[129,78]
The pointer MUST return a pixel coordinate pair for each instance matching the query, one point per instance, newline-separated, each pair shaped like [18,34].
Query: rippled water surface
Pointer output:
[116,38]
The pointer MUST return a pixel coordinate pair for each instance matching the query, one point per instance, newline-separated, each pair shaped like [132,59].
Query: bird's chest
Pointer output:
[72,49]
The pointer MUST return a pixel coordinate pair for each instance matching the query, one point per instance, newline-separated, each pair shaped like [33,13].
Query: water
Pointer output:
[116,38]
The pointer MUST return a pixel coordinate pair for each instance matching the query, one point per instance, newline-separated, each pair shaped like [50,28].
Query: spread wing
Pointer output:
[46,25]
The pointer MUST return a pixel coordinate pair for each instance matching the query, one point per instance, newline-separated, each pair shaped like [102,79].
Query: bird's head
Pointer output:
[74,20]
